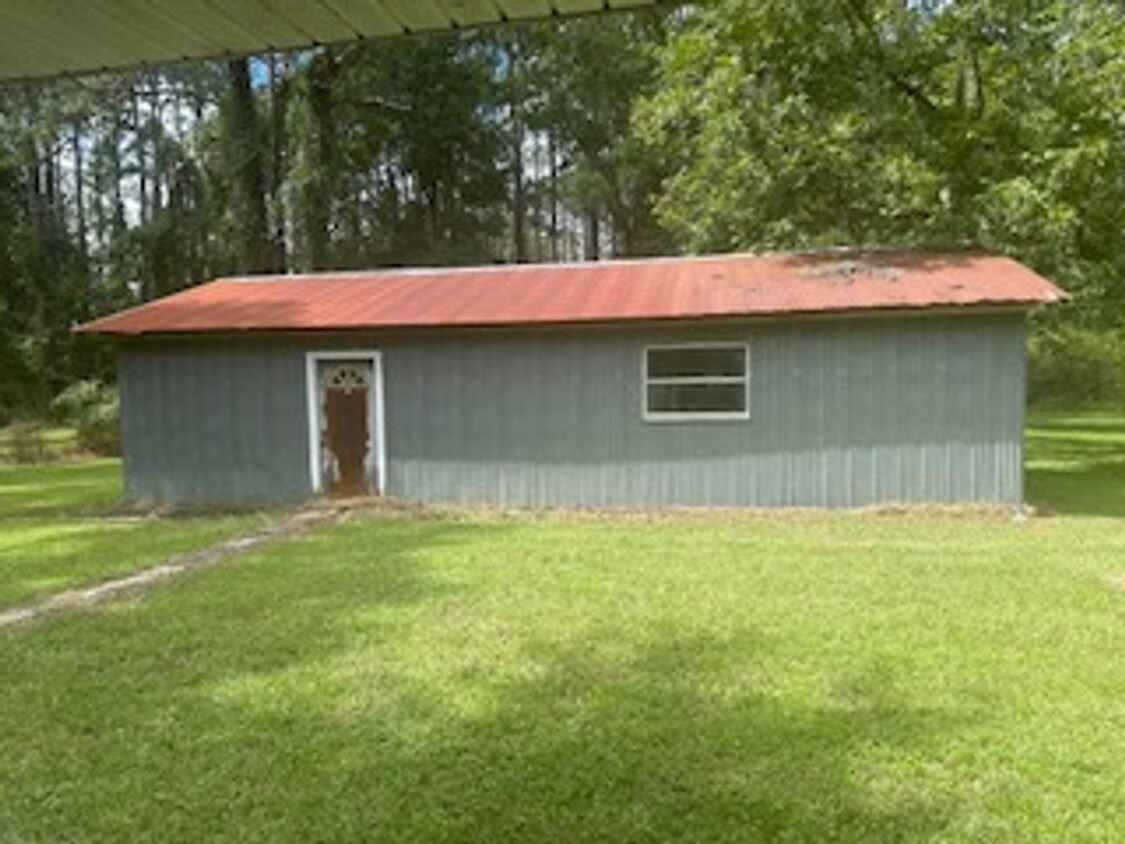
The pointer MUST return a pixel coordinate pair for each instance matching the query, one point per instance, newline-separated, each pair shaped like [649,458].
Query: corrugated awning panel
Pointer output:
[43,38]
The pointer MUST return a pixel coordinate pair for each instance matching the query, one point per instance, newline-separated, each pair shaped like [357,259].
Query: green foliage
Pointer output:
[994,125]
[587,77]
[93,409]
[415,177]
[44,273]
[1074,367]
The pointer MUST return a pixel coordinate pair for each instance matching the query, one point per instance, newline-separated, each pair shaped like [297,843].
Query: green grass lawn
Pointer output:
[59,490]
[700,677]
[56,530]
[1076,463]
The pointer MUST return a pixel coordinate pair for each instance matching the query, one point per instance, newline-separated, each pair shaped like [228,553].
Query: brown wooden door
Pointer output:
[346,434]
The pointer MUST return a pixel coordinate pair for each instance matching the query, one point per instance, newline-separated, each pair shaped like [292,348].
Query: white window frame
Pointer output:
[695,415]
[375,412]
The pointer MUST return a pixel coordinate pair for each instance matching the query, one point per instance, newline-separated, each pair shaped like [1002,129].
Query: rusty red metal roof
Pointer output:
[720,286]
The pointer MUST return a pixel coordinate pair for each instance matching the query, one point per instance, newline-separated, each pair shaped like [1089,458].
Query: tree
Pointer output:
[245,160]
[872,122]
[590,74]
[42,268]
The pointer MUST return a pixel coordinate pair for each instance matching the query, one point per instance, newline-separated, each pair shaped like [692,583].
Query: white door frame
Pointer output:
[374,409]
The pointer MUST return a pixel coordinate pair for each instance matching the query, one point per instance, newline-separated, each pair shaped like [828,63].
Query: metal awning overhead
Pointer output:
[43,38]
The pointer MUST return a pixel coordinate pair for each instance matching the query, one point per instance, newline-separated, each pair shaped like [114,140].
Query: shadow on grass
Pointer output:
[305,696]
[38,557]
[52,489]
[1075,464]
[642,742]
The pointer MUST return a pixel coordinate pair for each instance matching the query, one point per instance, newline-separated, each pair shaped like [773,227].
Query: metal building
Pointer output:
[831,379]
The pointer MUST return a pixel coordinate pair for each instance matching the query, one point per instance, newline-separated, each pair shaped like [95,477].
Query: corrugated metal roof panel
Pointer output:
[39,38]
[614,291]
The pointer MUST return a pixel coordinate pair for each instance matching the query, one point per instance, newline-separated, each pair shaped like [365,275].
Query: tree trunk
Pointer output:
[79,193]
[279,104]
[248,188]
[142,157]
[319,190]
[519,202]
[554,157]
[591,243]
[159,165]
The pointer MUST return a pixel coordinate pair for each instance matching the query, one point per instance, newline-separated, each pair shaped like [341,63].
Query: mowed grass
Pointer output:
[1076,463]
[693,677]
[58,529]
[59,490]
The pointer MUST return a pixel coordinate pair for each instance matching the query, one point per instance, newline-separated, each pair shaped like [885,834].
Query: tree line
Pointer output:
[739,124]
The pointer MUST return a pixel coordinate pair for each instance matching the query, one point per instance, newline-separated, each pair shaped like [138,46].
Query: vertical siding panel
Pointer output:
[843,412]
[195,427]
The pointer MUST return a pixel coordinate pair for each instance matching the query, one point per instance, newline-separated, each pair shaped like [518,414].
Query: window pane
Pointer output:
[696,398]
[696,362]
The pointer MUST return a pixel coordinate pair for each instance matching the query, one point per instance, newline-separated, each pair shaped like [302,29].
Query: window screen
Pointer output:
[697,382]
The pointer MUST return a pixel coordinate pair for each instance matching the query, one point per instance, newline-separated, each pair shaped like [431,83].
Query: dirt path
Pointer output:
[108,590]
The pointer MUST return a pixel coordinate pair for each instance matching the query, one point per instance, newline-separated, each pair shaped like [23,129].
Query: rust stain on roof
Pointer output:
[718,286]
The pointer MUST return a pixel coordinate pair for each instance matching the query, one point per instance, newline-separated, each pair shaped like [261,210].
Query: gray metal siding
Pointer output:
[213,421]
[844,412]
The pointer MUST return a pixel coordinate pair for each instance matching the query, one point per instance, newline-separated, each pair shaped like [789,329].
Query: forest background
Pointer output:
[752,125]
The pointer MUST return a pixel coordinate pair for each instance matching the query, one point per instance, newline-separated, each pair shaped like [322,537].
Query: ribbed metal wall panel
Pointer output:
[213,421]
[844,412]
